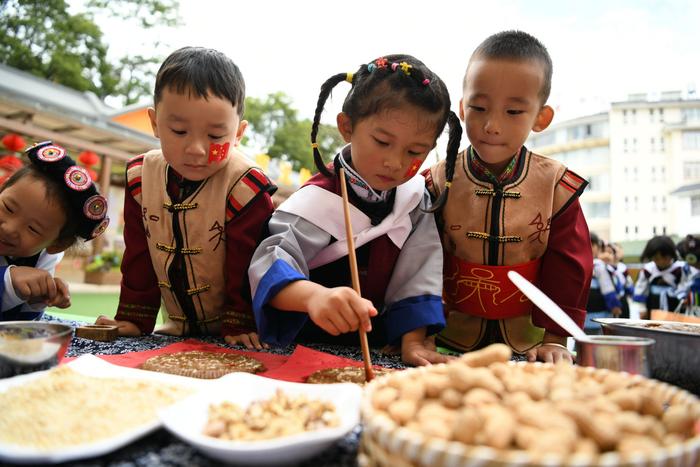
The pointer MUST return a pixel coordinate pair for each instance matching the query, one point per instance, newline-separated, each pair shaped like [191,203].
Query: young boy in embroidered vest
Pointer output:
[44,208]
[509,209]
[300,275]
[195,209]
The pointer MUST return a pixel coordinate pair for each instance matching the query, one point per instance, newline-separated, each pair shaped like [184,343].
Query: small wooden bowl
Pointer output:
[98,332]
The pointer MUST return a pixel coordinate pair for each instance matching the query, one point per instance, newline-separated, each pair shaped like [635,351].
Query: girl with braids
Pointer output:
[300,277]
[509,209]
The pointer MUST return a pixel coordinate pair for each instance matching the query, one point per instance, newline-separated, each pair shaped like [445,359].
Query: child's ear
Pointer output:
[461,109]
[152,117]
[344,126]
[242,126]
[544,118]
[60,245]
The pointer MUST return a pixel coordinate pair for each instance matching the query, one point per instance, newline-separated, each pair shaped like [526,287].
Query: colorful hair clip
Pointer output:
[448,184]
[371,67]
[95,207]
[394,66]
[381,62]
[426,82]
[406,68]
[77,178]
[348,77]
[314,145]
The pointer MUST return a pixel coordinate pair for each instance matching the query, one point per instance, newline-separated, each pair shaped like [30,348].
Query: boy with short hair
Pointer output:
[194,210]
[509,209]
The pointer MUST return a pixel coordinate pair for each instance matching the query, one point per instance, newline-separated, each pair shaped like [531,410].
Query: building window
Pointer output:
[691,139]
[624,144]
[691,170]
[661,116]
[627,229]
[661,144]
[663,173]
[636,229]
[653,173]
[634,145]
[695,206]
[651,115]
[636,203]
[653,203]
[653,230]
[624,116]
[663,230]
[663,203]
[653,144]
[635,177]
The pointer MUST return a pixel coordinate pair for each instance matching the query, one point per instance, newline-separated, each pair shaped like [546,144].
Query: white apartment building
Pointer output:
[642,159]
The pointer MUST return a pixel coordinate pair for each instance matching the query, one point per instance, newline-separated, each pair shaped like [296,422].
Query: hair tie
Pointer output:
[426,82]
[381,62]
[348,77]
[394,66]
[90,207]
[371,67]
[314,145]
[448,184]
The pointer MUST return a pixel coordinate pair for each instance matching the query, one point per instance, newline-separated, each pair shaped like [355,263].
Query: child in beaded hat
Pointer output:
[509,209]
[393,114]
[44,208]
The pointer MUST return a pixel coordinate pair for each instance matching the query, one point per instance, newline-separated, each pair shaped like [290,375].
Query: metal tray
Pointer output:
[675,358]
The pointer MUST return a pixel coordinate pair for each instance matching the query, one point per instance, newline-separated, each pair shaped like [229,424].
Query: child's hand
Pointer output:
[552,350]
[340,310]
[617,312]
[33,285]
[125,328]
[250,340]
[417,350]
[62,298]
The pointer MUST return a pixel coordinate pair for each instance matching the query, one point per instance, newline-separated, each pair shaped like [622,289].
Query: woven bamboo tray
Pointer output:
[385,443]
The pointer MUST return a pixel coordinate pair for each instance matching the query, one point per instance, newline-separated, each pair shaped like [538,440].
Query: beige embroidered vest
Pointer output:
[485,233]
[201,221]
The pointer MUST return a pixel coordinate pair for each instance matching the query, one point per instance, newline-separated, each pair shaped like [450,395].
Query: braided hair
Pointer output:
[385,83]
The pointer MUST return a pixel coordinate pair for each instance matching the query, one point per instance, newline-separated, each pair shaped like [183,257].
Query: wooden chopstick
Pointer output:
[369,372]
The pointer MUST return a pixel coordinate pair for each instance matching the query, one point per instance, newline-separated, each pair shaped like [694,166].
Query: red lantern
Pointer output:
[9,164]
[88,158]
[93,174]
[13,142]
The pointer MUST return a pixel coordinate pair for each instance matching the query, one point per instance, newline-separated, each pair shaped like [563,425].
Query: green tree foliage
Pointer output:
[276,127]
[44,38]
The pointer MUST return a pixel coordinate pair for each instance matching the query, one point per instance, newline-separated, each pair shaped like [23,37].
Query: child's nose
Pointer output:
[197,147]
[492,126]
[393,160]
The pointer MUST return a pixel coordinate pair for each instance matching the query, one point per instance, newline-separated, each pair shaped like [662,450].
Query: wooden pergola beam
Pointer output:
[64,140]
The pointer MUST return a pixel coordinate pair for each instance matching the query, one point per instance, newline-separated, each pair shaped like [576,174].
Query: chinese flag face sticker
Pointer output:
[413,168]
[218,152]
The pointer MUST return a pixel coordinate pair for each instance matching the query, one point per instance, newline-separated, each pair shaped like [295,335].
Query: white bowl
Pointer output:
[187,418]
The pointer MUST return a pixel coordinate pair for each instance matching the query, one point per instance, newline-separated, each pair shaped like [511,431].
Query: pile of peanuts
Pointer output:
[278,416]
[482,399]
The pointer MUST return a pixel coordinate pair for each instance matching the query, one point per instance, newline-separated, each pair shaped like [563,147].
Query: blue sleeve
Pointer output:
[611,300]
[413,313]
[277,327]
[2,283]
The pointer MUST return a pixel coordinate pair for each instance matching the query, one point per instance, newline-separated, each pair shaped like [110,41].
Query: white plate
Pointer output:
[92,366]
[187,418]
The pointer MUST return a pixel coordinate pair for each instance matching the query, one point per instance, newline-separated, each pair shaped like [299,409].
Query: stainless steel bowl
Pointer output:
[27,346]
[675,358]
[619,353]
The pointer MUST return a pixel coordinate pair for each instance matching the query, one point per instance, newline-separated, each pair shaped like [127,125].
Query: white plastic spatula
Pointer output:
[546,304]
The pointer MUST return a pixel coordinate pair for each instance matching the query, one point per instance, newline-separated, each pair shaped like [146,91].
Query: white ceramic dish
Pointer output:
[96,367]
[187,418]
